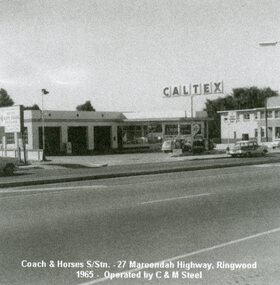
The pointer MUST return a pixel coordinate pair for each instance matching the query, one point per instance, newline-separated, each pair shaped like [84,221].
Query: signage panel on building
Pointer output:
[232,117]
[196,129]
[194,89]
[11,118]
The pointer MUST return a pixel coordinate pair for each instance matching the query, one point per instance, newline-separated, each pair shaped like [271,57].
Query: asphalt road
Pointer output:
[228,215]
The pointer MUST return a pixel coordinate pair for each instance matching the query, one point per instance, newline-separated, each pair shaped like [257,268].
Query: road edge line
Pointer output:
[190,254]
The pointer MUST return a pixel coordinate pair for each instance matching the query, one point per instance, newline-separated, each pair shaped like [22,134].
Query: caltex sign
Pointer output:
[194,89]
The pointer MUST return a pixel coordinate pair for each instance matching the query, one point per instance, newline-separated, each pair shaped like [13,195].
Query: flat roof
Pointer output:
[249,110]
[120,116]
[163,115]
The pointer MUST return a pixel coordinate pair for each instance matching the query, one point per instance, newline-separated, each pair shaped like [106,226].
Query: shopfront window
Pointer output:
[171,130]
[155,128]
[131,134]
[142,134]
[185,129]
[154,133]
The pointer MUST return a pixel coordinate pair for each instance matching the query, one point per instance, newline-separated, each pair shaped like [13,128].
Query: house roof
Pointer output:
[249,110]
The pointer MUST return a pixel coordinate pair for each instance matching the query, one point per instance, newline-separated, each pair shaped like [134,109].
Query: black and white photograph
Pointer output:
[139,142]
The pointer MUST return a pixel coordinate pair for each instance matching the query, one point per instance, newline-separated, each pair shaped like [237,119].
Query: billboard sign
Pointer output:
[194,89]
[11,118]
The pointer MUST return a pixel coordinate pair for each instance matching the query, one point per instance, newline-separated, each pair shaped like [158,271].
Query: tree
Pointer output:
[241,98]
[5,99]
[34,107]
[85,107]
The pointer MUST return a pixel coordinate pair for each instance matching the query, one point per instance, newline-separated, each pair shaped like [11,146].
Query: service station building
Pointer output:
[75,132]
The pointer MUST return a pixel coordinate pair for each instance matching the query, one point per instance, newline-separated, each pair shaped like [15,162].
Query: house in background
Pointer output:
[261,124]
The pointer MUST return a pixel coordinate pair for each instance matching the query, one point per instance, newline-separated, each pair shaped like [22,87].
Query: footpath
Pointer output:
[69,169]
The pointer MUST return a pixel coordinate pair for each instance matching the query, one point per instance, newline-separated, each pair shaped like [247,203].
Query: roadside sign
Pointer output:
[11,118]
[195,129]
[232,117]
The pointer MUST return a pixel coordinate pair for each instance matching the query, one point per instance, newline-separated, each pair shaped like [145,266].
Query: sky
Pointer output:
[120,54]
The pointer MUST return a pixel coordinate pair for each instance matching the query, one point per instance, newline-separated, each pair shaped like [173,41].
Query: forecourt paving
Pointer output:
[34,176]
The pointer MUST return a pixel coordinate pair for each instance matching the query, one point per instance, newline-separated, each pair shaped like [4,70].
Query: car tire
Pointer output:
[234,155]
[9,169]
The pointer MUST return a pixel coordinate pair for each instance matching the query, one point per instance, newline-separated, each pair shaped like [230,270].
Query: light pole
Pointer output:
[191,121]
[44,92]
[267,44]
[192,118]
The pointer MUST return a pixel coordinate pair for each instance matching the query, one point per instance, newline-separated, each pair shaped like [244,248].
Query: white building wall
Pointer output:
[30,135]
[33,129]
[233,131]
[35,138]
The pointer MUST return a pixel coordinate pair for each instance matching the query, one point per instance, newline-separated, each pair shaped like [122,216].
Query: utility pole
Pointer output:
[192,121]
[266,124]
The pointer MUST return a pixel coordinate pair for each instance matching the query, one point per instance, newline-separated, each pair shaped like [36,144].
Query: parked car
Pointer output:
[184,144]
[276,143]
[8,165]
[247,148]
